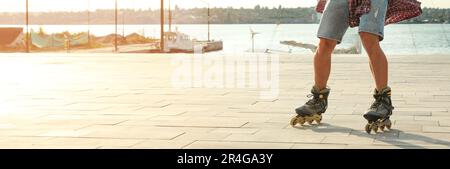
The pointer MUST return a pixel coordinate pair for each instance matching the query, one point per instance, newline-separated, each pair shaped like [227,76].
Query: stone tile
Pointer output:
[235,130]
[115,148]
[7,126]
[416,122]
[80,122]
[379,147]
[413,113]
[444,123]
[275,137]
[212,122]
[63,147]
[161,144]
[348,117]
[441,114]
[408,127]
[319,146]
[87,142]
[436,147]
[132,132]
[435,129]
[202,136]
[417,139]
[21,142]
[237,145]
[403,117]
[22,132]
[348,140]
[266,125]
[80,108]
[64,133]
[49,127]
[409,143]
[432,118]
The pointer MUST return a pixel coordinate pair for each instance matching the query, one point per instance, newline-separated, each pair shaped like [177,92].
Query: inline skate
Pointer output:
[313,109]
[379,113]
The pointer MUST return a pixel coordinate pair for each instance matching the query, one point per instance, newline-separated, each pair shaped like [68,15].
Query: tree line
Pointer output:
[256,15]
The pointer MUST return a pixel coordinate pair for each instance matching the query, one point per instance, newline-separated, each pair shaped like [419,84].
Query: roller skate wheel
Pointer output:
[318,121]
[388,124]
[301,121]
[382,128]
[309,121]
[317,117]
[294,121]
[375,128]
[389,127]
[368,129]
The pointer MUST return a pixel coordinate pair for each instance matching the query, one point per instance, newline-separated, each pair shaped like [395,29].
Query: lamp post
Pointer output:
[115,34]
[162,26]
[209,15]
[123,23]
[170,18]
[28,33]
[89,23]
[209,24]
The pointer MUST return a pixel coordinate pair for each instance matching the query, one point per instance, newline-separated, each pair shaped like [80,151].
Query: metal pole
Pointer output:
[115,35]
[162,26]
[209,15]
[253,43]
[123,23]
[170,18]
[89,23]
[28,34]
[208,24]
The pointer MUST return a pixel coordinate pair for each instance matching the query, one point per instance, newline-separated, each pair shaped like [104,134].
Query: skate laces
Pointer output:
[380,99]
[314,99]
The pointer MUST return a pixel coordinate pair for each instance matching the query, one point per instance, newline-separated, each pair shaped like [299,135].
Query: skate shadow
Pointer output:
[391,137]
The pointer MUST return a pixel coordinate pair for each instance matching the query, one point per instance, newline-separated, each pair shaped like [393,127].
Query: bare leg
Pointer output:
[322,62]
[314,108]
[371,69]
[378,61]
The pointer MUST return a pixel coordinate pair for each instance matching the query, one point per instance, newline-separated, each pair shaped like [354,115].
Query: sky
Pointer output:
[82,5]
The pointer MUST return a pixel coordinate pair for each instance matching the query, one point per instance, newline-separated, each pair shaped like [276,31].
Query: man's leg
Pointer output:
[378,61]
[380,111]
[332,27]
[322,62]
[314,108]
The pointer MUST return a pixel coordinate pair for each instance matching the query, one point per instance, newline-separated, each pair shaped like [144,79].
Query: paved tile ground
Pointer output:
[129,101]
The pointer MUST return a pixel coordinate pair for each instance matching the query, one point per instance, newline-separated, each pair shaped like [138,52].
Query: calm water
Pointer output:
[400,39]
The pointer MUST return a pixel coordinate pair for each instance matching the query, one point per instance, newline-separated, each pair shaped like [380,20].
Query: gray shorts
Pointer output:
[334,22]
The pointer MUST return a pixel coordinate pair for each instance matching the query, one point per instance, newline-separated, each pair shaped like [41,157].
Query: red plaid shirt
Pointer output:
[398,10]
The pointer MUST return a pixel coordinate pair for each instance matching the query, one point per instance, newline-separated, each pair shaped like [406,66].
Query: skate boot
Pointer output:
[313,109]
[379,113]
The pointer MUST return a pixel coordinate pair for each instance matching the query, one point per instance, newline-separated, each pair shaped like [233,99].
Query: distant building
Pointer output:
[11,37]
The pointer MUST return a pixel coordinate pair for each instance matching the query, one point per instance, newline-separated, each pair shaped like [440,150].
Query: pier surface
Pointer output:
[130,101]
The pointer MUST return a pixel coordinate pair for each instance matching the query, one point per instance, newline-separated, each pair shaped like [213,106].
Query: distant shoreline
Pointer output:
[257,15]
[213,24]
